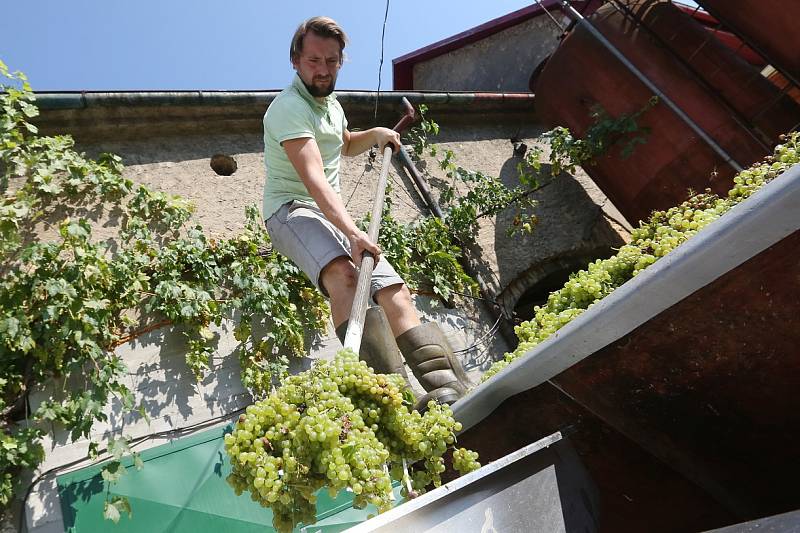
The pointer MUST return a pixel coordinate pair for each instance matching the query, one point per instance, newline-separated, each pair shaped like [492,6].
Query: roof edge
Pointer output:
[92,115]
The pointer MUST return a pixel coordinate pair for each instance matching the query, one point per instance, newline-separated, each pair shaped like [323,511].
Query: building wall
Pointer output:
[503,61]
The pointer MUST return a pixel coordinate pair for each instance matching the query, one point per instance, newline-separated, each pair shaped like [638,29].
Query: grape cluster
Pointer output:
[465,461]
[660,234]
[338,425]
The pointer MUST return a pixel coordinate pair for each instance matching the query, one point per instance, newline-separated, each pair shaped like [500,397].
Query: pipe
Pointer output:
[433,206]
[650,85]
[90,99]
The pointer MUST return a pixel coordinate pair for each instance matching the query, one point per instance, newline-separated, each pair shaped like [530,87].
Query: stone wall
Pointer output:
[503,61]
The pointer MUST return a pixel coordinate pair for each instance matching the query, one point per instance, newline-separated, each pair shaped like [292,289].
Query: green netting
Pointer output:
[182,488]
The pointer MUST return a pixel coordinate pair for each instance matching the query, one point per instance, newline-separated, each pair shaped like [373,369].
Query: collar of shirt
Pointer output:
[301,88]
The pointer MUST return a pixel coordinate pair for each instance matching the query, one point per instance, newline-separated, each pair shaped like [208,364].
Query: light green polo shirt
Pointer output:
[295,114]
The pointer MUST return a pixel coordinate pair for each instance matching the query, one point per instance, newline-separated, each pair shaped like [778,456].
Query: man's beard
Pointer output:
[320,93]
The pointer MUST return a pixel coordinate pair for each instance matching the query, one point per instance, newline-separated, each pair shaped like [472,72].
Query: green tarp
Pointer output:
[182,488]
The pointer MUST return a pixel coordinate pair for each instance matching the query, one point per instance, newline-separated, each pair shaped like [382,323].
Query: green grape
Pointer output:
[465,461]
[341,426]
[663,232]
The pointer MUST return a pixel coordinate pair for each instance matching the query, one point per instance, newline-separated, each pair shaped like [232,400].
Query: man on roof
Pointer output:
[305,135]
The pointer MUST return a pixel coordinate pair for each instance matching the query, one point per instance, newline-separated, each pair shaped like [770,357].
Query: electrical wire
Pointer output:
[380,65]
[377,97]
[484,338]
[361,177]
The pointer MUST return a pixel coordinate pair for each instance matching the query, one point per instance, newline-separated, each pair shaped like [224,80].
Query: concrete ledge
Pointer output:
[97,115]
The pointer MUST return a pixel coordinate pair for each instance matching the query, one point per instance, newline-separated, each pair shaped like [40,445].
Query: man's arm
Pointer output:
[306,159]
[357,142]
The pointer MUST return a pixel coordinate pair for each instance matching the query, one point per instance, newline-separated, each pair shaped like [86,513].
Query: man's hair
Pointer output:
[322,26]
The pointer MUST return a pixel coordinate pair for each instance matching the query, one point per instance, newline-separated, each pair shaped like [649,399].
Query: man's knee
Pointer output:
[397,294]
[339,275]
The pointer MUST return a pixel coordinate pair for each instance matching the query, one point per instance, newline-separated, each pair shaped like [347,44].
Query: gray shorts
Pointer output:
[303,234]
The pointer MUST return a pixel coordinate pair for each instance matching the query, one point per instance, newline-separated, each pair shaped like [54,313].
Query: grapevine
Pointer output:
[605,132]
[68,302]
[339,425]
[660,234]
[427,252]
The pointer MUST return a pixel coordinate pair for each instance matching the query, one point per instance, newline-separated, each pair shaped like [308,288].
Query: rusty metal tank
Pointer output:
[727,97]
[768,25]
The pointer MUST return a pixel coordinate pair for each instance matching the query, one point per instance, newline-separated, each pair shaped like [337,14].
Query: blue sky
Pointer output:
[204,44]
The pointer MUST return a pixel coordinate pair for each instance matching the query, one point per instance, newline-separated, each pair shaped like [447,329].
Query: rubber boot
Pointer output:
[378,347]
[434,364]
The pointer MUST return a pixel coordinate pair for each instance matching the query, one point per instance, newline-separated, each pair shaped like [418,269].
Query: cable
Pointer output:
[380,65]
[482,340]
[560,27]
[412,204]
[361,177]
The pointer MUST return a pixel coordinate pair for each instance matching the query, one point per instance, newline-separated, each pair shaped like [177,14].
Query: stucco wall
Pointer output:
[503,61]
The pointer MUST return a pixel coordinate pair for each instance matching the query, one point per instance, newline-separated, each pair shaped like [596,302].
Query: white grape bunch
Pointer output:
[342,426]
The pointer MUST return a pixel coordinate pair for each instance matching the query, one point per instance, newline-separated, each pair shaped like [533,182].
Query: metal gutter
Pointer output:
[99,115]
[749,228]
[90,99]
[540,487]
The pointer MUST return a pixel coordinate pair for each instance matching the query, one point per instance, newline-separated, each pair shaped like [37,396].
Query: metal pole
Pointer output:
[755,47]
[358,313]
[652,86]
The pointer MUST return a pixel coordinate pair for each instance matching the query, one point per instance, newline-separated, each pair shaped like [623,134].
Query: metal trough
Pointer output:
[541,487]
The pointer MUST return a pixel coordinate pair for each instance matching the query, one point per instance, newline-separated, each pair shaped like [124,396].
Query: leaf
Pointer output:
[118,447]
[123,505]
[408,396]
[47,412]
[348,450]
[143,412]
[113,472]
[110,512]
[137,461]
[97,304]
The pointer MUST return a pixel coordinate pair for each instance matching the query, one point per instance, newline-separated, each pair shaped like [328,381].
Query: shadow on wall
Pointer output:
[176,148]
[570,233]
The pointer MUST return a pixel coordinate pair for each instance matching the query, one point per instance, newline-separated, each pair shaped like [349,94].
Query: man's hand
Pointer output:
[384,136]
[359,243]
[358,142]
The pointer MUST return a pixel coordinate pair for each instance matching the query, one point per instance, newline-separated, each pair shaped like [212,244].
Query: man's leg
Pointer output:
[339,278]
[424,347]
[399,309]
